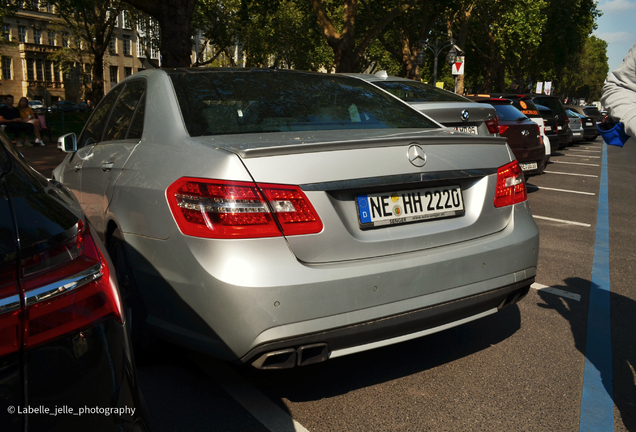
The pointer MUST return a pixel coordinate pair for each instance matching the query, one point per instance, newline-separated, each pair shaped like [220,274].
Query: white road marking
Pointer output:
[563,190]
[572,174]
[589,151]
[256,403]
[575,163]
[556,291]
[585,156]
[562,221]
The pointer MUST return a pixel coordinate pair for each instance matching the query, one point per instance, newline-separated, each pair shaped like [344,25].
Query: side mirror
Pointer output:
[67,143]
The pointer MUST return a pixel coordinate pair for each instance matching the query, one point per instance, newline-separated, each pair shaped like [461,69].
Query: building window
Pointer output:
[6,31]
[37,36]
[52,38]
[47,71]
[127,71]
[56,72]
[88,73]
[113,75]
[127,21]
[22,34]
[112,45]
[141,43]
[39,69]
[6,68]
[126,44]
[50,7]
[65,41]
[30,70]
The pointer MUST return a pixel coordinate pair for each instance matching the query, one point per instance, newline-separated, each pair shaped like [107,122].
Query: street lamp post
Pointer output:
[437,49]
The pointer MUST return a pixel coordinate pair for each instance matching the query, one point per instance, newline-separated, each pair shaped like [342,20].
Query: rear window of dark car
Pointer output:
[508,113]
[527,107]
[553,103]
[592,112]
[257,101]
[418,92]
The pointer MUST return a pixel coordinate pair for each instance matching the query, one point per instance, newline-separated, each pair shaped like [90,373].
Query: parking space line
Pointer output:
[562,221]
[575,163]
[256,403]
[585,150]
[556,291]
[584,156]
[561,190]
[572,174]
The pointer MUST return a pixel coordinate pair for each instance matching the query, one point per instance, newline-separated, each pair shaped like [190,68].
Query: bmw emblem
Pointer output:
[465,115]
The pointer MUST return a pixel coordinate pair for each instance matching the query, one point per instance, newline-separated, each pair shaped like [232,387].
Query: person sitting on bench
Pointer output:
[10,118]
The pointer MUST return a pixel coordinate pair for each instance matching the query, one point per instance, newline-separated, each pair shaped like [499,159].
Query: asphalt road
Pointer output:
[520,369]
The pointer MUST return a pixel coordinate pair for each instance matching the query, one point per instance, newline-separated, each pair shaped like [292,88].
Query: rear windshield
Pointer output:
[592,112]
[418,92]
[527,107]
[553,103]
[257,101]
[508,113]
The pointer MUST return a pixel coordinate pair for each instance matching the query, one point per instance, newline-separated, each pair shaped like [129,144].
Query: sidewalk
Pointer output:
[43,159]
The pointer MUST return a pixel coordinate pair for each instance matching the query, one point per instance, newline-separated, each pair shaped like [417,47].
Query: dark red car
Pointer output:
[523,135]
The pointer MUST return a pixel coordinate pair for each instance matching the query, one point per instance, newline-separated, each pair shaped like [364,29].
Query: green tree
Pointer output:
[90,24]
[585,75]
[350,36]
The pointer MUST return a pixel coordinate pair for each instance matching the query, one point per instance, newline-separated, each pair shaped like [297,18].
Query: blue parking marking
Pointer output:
[597,406]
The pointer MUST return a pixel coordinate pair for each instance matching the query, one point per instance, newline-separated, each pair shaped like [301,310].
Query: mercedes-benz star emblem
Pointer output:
[416,155]
[465,115]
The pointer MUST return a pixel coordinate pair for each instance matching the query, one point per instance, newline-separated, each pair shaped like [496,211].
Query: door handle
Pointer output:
[107,165]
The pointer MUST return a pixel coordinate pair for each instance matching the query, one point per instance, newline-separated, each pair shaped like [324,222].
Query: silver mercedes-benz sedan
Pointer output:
[282,218]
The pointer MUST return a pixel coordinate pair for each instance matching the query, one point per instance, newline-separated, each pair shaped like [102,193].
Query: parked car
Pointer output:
[547,128]
[590,112]
[36,106]
[590,132]
[523,135]
[575,126]
[563,122]
[449,109]
[63,341]
[64,106]
[281,218]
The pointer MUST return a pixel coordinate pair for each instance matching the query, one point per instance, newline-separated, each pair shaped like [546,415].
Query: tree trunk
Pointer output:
[97,83]
[175,19]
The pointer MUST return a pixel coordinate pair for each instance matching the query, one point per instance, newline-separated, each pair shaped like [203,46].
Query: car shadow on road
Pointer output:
[622,312]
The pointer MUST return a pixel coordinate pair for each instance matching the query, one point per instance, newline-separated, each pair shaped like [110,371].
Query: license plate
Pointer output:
[576,133]
[559,127]
[468,129]
[393,208]
[528,166]
[548,128]
[589,124]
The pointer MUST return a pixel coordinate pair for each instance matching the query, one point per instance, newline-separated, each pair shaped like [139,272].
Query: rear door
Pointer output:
[103,165]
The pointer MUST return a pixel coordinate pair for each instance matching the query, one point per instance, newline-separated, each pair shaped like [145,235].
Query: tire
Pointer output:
[142,338]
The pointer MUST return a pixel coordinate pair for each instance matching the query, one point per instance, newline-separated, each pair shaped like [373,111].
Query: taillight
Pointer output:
[511,186]
[493,125]
[503,129]
[66,288]
[224,209]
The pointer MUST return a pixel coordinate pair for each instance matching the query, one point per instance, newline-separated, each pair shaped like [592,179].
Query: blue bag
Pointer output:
[613,133]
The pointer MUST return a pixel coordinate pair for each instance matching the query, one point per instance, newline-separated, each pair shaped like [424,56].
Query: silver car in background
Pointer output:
[449,109]
[282,218]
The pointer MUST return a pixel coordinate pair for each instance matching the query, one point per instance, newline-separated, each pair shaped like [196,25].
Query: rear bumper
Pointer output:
[382,332]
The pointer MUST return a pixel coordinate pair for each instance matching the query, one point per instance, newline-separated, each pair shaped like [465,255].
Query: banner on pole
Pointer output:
[547,86]
[539,88]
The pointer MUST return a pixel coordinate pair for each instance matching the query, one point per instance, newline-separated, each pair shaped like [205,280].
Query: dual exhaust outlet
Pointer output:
[291,357]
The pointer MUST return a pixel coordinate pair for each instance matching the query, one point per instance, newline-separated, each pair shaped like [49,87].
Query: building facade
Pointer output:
[33,36]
